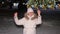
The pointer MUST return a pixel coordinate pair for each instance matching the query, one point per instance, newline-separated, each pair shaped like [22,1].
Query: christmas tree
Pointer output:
[44,3]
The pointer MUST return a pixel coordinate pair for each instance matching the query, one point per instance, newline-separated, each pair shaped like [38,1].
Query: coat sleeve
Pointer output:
[17,21]
[39,21]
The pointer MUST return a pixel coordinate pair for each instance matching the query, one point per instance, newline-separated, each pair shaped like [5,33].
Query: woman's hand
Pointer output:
[15,14]
[39,12]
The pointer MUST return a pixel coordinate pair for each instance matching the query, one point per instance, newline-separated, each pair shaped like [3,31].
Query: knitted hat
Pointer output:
[29,10]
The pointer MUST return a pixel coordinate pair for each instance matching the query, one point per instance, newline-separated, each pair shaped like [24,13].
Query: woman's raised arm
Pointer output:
[39,17]
[17,21]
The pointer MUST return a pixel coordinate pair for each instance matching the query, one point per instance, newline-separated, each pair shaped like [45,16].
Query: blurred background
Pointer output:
[43,4]
[50,12]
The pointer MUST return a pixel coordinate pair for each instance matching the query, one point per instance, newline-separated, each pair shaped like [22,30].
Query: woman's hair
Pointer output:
[35,16]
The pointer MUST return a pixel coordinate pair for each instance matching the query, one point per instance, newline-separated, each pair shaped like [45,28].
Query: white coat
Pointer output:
[29,25]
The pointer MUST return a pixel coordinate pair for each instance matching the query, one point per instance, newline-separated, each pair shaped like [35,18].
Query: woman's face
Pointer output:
[31,13]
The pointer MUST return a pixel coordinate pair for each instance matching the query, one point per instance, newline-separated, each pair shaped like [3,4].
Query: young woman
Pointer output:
[29,21]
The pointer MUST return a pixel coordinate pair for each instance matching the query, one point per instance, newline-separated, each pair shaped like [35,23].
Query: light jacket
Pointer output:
[29,25]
